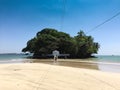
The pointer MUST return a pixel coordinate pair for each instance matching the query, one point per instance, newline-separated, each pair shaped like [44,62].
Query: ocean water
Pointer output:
[105,59]
[109,58]
[108,63]
[99,58]
[12,58]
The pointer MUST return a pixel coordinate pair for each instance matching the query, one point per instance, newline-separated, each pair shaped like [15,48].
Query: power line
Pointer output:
[103,22]
[63,14]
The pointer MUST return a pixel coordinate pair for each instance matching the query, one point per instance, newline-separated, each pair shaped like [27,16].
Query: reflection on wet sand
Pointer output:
[82,63]
[68,62]
[109,67]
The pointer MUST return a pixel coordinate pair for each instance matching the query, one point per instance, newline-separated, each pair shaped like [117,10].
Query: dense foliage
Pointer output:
[47,40]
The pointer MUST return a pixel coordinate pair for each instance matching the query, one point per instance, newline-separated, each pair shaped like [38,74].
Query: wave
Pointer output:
[13,61]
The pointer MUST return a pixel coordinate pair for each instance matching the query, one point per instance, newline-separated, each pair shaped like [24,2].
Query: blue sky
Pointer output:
[20,20]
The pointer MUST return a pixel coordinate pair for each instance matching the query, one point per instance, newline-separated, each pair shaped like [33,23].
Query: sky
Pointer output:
[20,20]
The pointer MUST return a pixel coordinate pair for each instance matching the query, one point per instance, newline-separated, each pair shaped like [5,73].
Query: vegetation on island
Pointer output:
[47,40]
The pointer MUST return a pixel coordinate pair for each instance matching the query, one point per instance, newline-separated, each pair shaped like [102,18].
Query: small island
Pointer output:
[48,39]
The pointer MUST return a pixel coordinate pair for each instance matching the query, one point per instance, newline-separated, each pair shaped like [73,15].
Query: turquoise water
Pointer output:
[11,58]
[108,63]
[106,59]
[100,58]
[109,58]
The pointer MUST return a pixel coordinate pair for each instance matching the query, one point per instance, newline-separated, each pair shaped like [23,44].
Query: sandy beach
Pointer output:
[37,76]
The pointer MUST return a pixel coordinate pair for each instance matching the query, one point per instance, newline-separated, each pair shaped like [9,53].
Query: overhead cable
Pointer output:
[63,14]
[103,22]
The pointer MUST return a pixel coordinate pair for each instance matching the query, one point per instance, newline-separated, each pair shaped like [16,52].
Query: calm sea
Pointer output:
[12,58]
[99,58]
[109,63]
[108,58]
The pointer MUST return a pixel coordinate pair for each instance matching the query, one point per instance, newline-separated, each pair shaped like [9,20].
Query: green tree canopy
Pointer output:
[47,40]
[85,45]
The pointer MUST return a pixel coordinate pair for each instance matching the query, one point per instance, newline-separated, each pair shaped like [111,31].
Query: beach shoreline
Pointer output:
[76,63]
[82,63]
[39,76]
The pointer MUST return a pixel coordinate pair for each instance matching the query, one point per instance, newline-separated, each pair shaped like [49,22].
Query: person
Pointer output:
[55,54]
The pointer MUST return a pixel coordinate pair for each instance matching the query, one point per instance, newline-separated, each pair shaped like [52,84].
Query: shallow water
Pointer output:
[12,58]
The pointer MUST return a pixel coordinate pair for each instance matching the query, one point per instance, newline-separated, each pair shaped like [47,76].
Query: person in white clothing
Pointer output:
[55,54]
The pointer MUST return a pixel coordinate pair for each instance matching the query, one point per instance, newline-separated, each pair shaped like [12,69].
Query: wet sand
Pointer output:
[83,63]
[78,63]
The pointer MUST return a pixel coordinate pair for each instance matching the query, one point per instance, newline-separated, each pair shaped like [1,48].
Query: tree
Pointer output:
[85,45]
[47,40]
